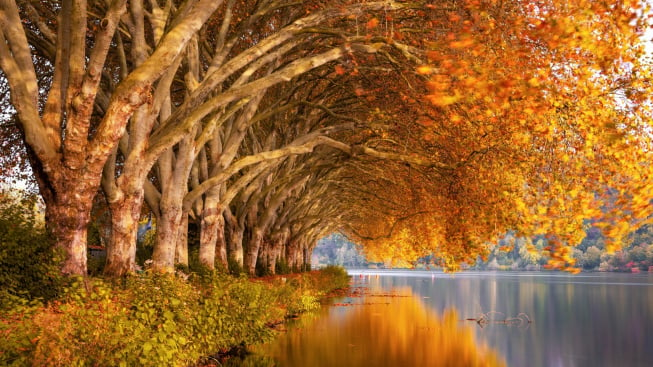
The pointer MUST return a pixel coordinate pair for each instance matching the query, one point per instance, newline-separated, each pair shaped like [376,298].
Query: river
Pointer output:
[517,319]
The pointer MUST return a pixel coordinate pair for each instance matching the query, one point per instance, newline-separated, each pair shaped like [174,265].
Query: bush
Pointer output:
[282,266]
[333,277]
[154,319]
[302,292]
[235,268]
[148,320]
[18,330]
[262,269]
[29,263]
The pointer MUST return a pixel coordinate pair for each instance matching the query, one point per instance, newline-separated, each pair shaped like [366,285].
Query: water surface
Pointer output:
[421,318]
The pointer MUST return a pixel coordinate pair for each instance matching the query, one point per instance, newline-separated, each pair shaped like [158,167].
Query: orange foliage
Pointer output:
[372,23]
[541,114]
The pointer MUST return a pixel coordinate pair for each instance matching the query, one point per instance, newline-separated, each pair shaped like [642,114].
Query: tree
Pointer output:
[529,117]
[113,71]
[592,258]
[68,143]
[537,118]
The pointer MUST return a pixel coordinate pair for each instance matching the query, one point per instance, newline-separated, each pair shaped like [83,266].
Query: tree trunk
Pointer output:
[276,249]
[272,264]
[221,243]
[167,235]
[171,204]
[292,254]
[181,250]
[236,243]
[253,248]
[121,250]
[212,240]
[67,218]
[306,260]
[264,257]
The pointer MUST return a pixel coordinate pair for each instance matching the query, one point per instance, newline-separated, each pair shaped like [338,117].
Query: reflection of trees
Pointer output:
[387,331]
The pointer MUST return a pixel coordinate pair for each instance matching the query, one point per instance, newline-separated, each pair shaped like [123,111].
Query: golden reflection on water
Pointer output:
[382,330]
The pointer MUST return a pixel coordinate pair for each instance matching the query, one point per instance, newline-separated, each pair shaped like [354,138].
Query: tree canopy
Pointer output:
[414,128]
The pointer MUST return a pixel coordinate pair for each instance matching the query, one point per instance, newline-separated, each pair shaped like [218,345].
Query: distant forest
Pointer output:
[512,253]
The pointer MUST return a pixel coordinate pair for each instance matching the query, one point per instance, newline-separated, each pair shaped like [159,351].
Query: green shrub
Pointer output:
[262,269]
[235,268]
[336,275]
[329,278]
[18,331]
[282,266]
[29,263]
[153,319]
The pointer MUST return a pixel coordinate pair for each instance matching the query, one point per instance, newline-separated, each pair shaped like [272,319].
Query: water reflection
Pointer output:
[382,329]
[594,319]
[419,319]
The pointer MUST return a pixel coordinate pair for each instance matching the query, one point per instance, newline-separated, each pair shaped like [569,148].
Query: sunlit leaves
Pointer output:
[372,23]
[541,112]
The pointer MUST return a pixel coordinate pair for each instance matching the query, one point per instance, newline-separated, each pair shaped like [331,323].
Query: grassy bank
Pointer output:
[156,320]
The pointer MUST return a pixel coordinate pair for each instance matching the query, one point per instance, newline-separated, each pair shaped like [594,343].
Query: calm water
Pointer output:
[422,319]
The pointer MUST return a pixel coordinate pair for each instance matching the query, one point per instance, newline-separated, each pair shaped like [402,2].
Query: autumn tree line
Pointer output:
[590,255]
[414,127]
[510,253]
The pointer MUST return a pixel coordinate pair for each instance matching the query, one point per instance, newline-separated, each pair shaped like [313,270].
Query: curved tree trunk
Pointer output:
[174,188]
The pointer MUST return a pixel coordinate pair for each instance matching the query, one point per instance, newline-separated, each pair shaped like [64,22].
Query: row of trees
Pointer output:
[410,126]
[523,254]
[512,253]
[202,110]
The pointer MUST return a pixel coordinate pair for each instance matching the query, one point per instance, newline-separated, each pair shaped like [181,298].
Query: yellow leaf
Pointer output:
[443,100]
[424,70]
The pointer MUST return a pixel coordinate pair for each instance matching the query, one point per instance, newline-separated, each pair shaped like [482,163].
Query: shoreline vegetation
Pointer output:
[155,319]
[512,253]
[192,317]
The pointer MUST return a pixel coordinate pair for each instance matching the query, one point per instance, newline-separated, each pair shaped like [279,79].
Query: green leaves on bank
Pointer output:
[155,320]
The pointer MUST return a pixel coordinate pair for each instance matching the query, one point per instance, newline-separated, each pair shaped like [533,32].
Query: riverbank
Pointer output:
[157,320]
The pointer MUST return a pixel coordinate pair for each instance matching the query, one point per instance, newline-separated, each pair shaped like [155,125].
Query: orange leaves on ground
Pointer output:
[339,70]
